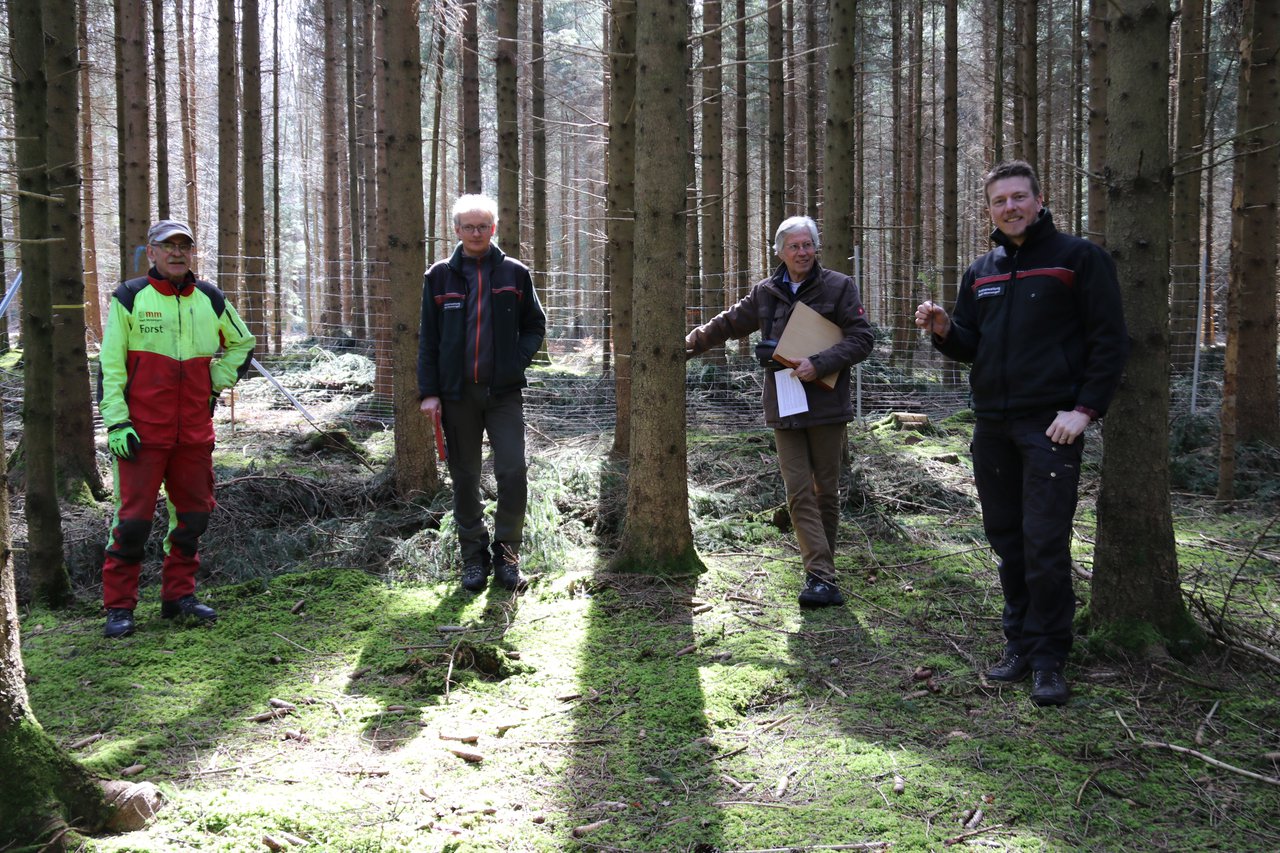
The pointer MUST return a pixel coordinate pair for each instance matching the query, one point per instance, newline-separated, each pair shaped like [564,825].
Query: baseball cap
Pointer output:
[166,229]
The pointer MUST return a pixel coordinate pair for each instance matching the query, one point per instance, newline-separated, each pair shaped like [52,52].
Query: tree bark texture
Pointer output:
[332,279]
[252,302]
[416,470]
[712,156]
[657,538]
[470,94]
[133,134]
[160,81]
[1184,250]
[508,107]
[76,462]
[89,190]
[49,582]
[837,179]
[620,213]
[228,152]
[1135,563]
[777,144]
[1250,370]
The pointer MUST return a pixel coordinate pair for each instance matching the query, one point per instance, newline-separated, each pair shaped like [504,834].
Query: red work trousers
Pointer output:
[186,470]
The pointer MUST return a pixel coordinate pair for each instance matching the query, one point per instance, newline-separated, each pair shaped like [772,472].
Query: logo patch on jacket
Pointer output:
[988,290]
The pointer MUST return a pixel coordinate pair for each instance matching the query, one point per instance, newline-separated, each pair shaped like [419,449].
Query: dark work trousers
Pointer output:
[1028,488]
[187,473]
[466,422]
[810,462]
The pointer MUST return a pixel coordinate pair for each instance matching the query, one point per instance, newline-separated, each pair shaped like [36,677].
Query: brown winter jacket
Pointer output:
[766,309]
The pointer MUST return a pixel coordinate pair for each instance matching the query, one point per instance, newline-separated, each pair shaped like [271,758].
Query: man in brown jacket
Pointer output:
[809,435]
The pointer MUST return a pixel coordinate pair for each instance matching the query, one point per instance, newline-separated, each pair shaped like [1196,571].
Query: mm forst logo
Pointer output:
[152,315]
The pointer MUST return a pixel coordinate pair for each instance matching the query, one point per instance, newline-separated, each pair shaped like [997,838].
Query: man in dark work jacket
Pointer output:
[482,324]
[1040,318]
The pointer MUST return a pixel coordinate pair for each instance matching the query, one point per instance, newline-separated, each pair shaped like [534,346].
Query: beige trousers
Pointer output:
[810,462]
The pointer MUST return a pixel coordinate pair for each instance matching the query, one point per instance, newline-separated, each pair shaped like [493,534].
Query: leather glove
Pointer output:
[123,441]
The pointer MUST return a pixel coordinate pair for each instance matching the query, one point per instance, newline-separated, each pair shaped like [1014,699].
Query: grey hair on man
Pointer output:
[474,203]
[796,223]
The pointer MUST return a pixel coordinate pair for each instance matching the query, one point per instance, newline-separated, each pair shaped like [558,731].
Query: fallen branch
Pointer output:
[274,713]
[587,828]
[856,845]
[956,839]
[469,755]
[1221,765]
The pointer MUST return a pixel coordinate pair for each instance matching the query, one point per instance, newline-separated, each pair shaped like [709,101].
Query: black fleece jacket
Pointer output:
[511,321]
[1042,324]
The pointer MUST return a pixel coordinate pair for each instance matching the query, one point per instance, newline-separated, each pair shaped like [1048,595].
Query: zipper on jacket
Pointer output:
[1004,336]
[475,367]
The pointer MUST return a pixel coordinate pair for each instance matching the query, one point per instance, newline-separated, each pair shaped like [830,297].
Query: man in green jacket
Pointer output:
[810,436]
[160,377]
[481,326]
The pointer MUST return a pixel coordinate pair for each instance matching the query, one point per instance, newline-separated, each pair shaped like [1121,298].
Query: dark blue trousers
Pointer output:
[1028,489]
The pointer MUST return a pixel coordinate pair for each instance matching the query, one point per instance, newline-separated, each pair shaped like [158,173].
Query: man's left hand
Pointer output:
[805,371]
[1067,427]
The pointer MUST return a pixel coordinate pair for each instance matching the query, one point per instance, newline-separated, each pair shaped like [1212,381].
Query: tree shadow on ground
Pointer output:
[641,739]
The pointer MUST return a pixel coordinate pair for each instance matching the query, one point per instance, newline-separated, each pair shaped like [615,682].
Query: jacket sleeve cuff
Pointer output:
[1085,410]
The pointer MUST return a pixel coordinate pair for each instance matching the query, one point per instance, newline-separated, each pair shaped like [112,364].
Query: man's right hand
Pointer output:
[933,319]
[123,441]
[430,407]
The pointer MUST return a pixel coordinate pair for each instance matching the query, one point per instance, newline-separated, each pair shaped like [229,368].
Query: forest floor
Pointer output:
[352,698]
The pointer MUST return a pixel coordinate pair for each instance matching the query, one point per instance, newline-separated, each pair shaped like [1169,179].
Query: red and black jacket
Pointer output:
[1042,323]
[511,322]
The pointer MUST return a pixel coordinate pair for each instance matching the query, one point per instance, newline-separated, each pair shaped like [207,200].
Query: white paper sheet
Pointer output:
[791,396]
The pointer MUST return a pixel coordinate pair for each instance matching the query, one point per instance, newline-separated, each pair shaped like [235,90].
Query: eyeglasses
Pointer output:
[171,248]
[798,247]
[476,229]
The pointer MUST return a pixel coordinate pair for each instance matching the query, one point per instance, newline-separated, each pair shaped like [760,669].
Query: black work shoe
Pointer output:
[1048,687]
[506,566]
[475,577]
[820,593]
[188,608]
[119,623]
[1012,667]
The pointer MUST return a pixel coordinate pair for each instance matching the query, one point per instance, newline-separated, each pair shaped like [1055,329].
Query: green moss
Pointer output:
[49,790]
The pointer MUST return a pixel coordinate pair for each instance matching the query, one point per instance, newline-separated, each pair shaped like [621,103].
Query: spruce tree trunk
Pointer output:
[228,152]
[41,789]
[331,129]
[49,582]
[89,191]
[470,93]
[252,303]
[1135,577]
[712,155]
[1188,156]
[621,209]
[508,129]
[133,132]
[76,461]
[656,537]
[1250,372]
[837,183]
[415,459]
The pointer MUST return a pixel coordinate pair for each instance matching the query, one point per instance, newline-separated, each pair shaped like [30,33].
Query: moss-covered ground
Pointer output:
[607,712]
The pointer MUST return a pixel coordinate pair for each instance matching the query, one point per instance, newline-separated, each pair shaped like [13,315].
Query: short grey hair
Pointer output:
[795,223]
[474,203]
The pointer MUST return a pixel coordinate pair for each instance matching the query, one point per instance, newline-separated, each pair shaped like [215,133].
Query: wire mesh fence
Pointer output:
[325,353]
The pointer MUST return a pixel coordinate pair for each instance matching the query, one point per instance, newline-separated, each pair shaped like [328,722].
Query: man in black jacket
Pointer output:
[1040,318]
[482,324]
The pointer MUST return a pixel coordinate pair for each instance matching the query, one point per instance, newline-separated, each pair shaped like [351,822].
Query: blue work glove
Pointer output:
[123,441]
